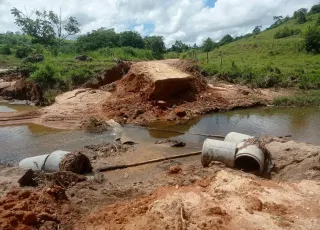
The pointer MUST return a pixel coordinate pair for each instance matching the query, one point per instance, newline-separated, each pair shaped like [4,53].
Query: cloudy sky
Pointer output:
[188,20]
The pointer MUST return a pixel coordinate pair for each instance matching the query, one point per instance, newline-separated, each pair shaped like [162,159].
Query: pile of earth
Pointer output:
[24,209]
[140,99]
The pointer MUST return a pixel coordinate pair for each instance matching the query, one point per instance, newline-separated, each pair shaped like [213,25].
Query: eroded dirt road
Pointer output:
[167,90]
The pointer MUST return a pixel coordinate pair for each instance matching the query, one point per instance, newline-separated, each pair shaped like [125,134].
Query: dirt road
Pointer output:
[167,90]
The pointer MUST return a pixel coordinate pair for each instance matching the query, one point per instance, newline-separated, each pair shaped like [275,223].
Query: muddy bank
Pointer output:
[156,196]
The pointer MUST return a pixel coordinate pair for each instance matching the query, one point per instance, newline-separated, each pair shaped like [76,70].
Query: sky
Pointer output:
[190,21]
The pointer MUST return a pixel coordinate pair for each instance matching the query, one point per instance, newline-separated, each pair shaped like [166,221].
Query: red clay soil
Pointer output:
[140,100]
[23,209]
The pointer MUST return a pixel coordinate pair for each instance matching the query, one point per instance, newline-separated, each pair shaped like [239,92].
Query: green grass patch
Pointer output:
[305,99]
[263,61]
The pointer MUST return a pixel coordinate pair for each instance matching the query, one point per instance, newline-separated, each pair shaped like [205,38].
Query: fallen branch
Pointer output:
[112,168]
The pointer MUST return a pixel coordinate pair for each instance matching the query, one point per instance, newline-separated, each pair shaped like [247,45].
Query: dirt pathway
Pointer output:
[69,111]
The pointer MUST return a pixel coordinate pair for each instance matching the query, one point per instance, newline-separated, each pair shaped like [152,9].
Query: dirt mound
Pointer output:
[23,209]
[294,161]
[223,201]
[159,90]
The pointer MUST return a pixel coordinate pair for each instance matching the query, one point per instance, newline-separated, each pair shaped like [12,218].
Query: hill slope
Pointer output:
[264,61]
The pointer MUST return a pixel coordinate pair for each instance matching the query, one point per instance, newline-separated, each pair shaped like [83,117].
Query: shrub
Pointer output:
[301,15]
[5,50]
[45,76]
[312,39]
[34,58]
[286,32]
[80,76]
[23,52]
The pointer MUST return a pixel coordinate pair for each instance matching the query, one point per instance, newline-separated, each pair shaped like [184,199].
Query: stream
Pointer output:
[303,124]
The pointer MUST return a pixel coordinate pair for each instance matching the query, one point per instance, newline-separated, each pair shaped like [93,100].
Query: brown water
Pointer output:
[303,124]
[18,142]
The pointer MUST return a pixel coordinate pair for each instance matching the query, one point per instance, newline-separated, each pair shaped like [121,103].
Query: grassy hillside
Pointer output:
[264,61]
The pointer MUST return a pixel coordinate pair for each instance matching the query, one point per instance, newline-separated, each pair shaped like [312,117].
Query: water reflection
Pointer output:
[18,142]
[302,123]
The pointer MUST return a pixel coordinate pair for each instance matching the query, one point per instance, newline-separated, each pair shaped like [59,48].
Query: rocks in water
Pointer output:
[172,143]
[94,125]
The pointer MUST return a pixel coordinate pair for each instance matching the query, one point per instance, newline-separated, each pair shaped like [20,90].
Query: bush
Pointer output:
[5,50]
[312,39]
[34,58]
[45,76]
[301,15]
[23,52]
[80,76]
[286,32]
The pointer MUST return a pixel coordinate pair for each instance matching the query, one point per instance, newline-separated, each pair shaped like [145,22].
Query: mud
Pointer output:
[169,195]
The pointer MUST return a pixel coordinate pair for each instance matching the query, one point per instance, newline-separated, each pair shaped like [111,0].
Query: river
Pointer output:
[303,124]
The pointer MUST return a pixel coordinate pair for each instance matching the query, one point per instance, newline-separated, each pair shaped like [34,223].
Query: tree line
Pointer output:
[48,28]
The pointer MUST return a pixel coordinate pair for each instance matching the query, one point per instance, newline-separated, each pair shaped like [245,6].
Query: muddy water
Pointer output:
[303,124]
[18,142]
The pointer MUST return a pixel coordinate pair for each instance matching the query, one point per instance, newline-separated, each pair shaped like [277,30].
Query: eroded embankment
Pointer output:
[158,90]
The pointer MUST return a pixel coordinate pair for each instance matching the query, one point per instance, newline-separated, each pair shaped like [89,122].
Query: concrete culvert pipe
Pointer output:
[249,158]
[237,137]
[214,150]
[58,161]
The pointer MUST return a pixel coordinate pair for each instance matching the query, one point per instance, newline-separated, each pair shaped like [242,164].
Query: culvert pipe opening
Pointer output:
[247,164]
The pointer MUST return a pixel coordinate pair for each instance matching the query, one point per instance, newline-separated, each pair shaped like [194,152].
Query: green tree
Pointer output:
[301,15]
[315,9]
[179,47]
[98,39]
[23,52]
[131,39]
[156,45]
[225,40]
[312,39]
[5,50]
[257,30]
[45,27]
[208,45]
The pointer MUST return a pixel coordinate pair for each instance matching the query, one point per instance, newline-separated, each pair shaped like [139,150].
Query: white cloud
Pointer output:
[140,29]
[187,20]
